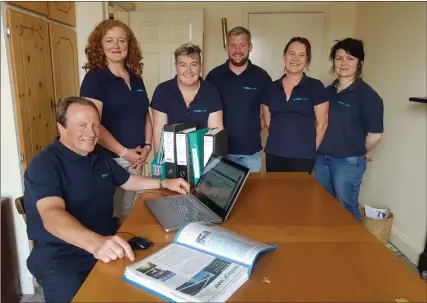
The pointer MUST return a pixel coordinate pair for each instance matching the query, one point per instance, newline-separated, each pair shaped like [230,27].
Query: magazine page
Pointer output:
[221,242]
[183,274]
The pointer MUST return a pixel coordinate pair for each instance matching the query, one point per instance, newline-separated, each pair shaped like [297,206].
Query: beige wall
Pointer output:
[340,20]
[395,66]
[88,15]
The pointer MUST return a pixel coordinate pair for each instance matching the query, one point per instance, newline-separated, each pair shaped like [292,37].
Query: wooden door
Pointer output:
[32,79]
[64,62]
[62,11]
[35,6]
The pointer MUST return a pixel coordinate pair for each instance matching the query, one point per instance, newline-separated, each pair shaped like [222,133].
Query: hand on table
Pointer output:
[112,248]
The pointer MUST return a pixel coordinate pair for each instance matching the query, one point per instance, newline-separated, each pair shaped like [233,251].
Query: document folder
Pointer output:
[183,154]
[170,155]
[195,141]
[216,142]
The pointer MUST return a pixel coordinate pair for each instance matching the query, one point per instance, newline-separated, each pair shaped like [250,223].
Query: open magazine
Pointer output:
[204,263]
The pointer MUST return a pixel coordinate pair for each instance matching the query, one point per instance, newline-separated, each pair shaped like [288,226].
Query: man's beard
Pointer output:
[241,63]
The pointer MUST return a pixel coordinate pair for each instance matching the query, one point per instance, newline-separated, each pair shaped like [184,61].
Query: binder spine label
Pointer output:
[207,148]
[169,147]
[196,165]
[181,149]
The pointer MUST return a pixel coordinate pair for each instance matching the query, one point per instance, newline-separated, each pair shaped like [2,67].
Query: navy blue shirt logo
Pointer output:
[140,90]
[343,104]
[249,88]
[300,99]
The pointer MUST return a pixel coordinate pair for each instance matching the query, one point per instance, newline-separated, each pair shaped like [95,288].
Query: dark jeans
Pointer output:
[62,269]
[342,178]
[281,164]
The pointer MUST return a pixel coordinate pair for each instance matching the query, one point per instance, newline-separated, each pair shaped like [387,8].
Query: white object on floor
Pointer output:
[376,213]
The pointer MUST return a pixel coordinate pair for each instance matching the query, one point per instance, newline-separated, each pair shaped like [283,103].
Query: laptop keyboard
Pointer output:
[188,210]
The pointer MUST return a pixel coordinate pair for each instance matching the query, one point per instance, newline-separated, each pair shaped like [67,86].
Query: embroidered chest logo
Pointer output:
[249,88]
[343,104]
[300,99]
[105,175]
[200,110]
[140,90]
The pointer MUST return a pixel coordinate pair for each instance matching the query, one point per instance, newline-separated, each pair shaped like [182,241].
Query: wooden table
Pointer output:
[323,254]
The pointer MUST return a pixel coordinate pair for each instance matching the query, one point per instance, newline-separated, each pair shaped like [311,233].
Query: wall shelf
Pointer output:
[418,99]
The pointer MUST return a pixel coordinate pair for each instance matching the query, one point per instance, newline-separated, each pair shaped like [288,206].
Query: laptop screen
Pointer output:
[220,183]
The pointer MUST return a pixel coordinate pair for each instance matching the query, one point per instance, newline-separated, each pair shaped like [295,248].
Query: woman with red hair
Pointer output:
[114,83]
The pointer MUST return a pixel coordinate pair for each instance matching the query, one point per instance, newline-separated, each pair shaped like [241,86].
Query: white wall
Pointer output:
[395,66]
[88,14]
[340,19]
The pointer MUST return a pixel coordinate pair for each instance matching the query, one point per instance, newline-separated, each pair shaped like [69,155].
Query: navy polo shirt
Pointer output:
[124,110]
[86,184]
[353,113]
[168,99]
[241,98]
[292,131]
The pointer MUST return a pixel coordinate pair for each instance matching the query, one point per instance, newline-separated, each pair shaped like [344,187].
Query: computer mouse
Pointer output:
[139,243]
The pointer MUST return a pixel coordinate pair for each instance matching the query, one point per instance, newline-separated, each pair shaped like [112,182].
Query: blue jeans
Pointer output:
[253,162]
[342,178]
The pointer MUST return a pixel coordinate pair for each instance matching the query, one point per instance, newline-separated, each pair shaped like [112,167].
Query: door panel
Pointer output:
[270,33]
[64,62]
[32,76]
[35,6]
[62,11]
[159,34]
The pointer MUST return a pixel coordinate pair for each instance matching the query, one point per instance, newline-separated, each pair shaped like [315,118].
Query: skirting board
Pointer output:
[27,284]
[404,245]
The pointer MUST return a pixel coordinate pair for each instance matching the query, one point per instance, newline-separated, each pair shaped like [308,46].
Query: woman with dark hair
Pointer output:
[355,126]
[295,109]
[114,83]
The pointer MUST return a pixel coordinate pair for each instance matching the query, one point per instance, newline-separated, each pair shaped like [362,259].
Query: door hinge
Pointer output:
[21,157]
[8,31]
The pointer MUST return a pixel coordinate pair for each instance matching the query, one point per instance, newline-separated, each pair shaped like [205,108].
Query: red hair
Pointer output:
[95,55]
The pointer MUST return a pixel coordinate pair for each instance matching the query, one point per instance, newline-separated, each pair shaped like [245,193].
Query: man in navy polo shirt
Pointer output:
[241,85]
[69,203]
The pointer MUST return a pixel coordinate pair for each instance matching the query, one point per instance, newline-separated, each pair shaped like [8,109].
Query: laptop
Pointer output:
[210,201]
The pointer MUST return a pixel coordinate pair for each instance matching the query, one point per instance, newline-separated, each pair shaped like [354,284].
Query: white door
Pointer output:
[159,34]
[270,33]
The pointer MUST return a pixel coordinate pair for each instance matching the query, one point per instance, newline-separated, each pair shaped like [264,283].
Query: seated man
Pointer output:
[69,203]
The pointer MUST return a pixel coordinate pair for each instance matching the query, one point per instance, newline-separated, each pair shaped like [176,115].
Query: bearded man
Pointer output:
[241,85]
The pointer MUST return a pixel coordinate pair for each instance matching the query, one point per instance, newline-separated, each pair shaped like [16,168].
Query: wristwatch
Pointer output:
[161,184]
[149,144]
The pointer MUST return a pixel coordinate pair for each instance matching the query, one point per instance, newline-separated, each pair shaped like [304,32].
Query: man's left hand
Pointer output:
[178,185]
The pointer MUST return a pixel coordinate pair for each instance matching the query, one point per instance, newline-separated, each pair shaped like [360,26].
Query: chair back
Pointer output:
[19,204]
